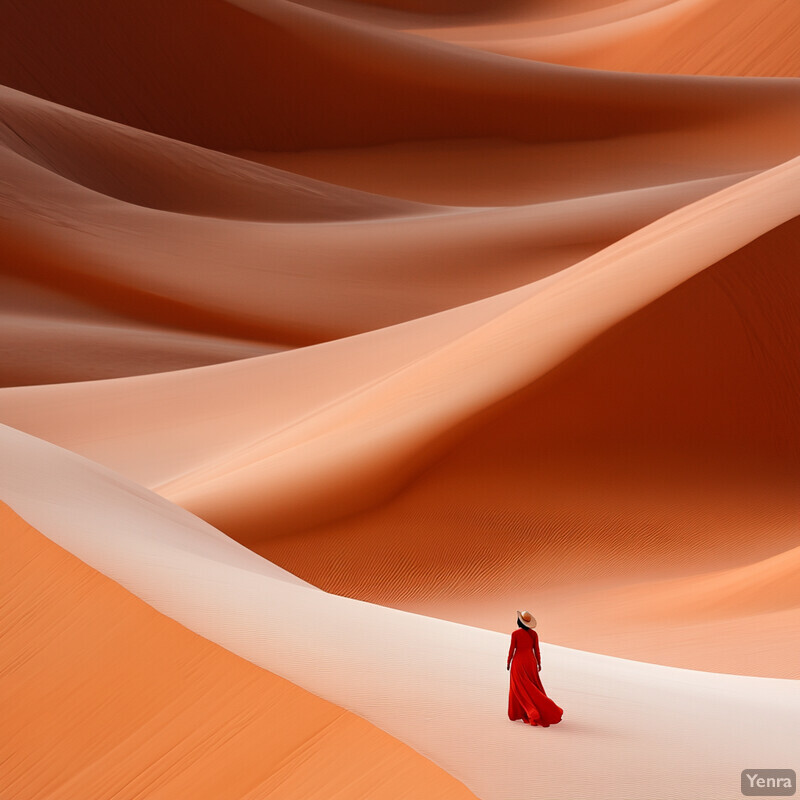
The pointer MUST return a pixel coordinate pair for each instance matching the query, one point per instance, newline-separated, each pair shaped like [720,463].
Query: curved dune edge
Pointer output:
[504,173]
[359,84]
[765,585]
[147,707]
[751,612]
[296,283]
[305,283]
[52,337]
[363,426]
[690,37]
[120,226]
[398,13]
[493,360]
[44,348]
[523,245]
[628,462]
[144,169]
[737,518]
[440,687]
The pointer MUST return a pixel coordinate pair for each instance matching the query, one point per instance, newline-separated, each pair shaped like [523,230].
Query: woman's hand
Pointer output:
[508,666]
[540,667]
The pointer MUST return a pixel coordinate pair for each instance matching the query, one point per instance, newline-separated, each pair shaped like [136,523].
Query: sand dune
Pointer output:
[46,349]
[301,284]
[719,38]
[117,218]
[399,14]
[159,173]
[332,408]
[767,585]
[666,447]
[669,475]
[360,84]
[694,37]
[750,613]
[64,320]
[436,310]
[94,237]
[438,686]
[604,619]
[51,336]
[176,716]
[481,172]
[758,603]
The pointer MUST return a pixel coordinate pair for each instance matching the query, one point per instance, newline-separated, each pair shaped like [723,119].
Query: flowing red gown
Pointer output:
[526,696]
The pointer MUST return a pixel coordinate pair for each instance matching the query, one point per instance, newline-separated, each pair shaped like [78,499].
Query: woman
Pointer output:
[526,696]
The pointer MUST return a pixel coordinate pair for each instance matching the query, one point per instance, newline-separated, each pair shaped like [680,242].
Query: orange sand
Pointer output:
[436,685]
[667,478]
[445,307]
[694,37]
[104,696]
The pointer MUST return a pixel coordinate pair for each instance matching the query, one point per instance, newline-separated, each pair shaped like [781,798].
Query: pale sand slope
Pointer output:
[104,697]
[751,613]
[696,37]
[438,686]
[573,480]
[669,446]
[370,406]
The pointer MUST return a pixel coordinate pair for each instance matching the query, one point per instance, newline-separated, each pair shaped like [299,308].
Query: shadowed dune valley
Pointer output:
[337,334]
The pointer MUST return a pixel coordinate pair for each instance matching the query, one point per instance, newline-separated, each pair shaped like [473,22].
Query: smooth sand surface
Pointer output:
[46,348]
[694,37]
[437,686]
[360,84]
[137,243]
[166,237]
[669,480]
[258,432]
[435,310]
[103,696]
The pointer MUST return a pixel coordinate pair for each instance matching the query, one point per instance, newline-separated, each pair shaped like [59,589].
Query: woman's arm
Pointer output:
[536,649]
[511,651]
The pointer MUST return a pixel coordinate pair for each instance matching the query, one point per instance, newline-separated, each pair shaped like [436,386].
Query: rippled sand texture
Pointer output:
[433,310]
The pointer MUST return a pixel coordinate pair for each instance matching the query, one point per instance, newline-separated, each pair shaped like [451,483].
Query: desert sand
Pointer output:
[693,37]
[398,316]
[145,706]
[435,685]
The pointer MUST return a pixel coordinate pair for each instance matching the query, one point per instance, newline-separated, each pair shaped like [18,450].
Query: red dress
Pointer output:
[526,696]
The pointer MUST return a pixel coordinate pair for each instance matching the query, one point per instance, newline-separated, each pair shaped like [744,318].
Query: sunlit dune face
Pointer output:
[335,332]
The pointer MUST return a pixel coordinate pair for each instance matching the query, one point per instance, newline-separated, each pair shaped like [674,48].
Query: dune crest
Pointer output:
[282,472]
[690,37]
[334,331]
[361,84]
[232,730]
[387,665]
[340,428]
